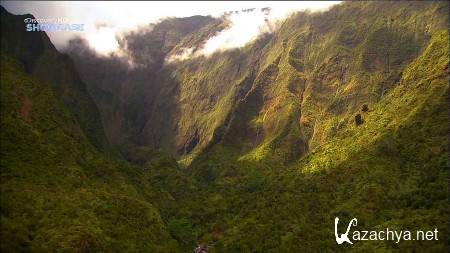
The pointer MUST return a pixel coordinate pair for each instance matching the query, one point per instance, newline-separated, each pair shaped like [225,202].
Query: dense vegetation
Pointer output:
[342,113]
[40,59]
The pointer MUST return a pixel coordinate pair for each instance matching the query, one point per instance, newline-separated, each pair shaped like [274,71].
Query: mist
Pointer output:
[105,22]
[245,26]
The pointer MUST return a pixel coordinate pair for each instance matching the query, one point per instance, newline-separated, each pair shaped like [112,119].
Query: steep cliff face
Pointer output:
[126,94]
[342,113]
[278,97]
[390,171]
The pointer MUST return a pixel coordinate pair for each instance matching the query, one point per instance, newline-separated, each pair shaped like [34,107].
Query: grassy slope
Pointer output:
[290,92]
[389,172]
[37,56]
[280,97]
[58,191]
[244,193]
[323,75]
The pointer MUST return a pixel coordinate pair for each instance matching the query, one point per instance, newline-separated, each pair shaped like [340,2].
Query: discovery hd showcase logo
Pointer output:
[51,25]
[381,235]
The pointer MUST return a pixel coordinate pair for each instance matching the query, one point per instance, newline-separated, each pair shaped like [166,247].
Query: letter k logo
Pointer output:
[344,237]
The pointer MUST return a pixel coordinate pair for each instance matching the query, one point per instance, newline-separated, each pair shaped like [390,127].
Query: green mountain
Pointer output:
[39,58]
[60,191]
[342,113]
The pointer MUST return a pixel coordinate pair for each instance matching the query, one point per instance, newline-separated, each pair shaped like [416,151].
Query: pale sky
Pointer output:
[104,20]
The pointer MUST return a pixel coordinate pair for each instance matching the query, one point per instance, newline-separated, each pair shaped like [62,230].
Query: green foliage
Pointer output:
[389,172]
[58,192]
[268,147]
[37,56]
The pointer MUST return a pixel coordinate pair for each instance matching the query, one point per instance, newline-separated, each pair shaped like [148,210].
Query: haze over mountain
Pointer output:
[105,21]
[249,148]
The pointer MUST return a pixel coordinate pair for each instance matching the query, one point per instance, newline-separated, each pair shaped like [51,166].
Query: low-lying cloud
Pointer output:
[245,26]
[105,22]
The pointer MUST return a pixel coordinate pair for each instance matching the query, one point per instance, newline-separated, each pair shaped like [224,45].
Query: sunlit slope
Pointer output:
[276,99]
[317,73]
[342,113]
[391,171]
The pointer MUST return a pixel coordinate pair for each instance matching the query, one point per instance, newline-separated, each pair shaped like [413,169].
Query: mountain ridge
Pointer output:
[203,90]
[40,58]
[342,113]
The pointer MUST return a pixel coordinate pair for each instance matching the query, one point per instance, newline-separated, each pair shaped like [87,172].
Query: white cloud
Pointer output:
[103,40]
[126,15]
[247,25]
